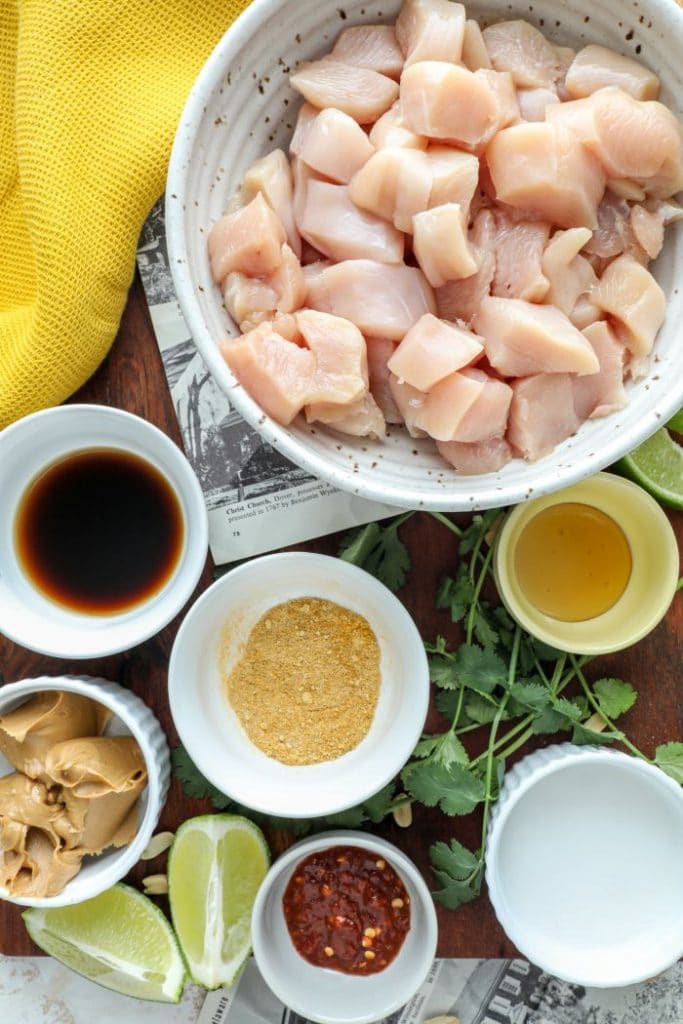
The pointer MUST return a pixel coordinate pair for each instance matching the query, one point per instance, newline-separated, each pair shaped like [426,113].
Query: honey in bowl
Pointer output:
[572,562]
[99,531]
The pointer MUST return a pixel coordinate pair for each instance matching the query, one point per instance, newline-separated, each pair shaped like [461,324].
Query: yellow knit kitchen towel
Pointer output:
[91,92]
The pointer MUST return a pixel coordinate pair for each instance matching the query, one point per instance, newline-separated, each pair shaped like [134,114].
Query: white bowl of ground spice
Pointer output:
[298,684]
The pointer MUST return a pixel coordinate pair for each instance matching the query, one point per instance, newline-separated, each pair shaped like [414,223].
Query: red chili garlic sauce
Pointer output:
[347,909]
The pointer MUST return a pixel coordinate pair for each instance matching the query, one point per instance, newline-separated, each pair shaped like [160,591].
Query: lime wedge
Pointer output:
[676,422]
[119,939]
[657,465]
[215,867]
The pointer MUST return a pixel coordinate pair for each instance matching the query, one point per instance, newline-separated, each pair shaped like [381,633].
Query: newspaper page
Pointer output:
[479,992]
[256,498]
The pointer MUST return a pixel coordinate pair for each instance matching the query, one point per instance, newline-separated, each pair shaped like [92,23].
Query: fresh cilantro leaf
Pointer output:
[544,652]
[452,787]
[480,710]
[549,721]
[669,757]
[478,669]
[452,893]
[581,735]
[484,631]
[531,695]
[377,807]
[379,550]
[193,782]
[447,702]
[479,527]
[443,671]
[357,544]
[427,745]
[351,818]
[455,859]
[570,710]
[615,697]
[466,791]
[452,751]
[456,594]
[426,781]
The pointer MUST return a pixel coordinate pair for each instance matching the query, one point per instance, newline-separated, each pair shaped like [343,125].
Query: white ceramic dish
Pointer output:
[330,997]
[131,717]
[30,618]
[241,107]
[649,591]
[208,643]
[583,865]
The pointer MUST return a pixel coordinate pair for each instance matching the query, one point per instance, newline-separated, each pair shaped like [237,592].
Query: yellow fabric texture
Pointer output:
[91,92]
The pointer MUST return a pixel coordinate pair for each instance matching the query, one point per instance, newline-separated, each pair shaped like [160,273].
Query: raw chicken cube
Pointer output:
[302,175]
[446,101]
[596,67]
[503,86]
[542,414]
[304,122]
[341,369]
[360,418]
[370,46]
[474,52]
[488,416]
[455,176]
[251,300]
[382,299]
[440,245]
[533,102]
[362,94]
[391,132]
[522,338]
[394,184]
[570,275]
[276,373]
[338,228]
[630,294]
[336,146]
[585,313]
[474,459]
[272,176]
[519,246]
[647,227]
[544,170]
[431,30]
[565,57]
[460,300]
[447,404]
[249,240]
[431,350]
[602,393]
[626,188]
[380,351]
[611,236]
[518,47]
[409,402]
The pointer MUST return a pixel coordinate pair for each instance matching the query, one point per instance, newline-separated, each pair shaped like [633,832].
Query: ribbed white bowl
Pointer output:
[241,107]
[131,717]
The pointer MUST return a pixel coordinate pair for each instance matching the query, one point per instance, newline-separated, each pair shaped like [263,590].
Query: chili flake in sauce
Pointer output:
[346,908]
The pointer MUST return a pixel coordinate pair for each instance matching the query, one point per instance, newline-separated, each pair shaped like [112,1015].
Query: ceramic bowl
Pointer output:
[30,618]
[210,641]
[131,717]
[583,865]
[330,997]
[651,586]
[241,107]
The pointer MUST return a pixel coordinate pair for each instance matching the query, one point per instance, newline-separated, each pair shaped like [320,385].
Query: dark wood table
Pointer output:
[132,378]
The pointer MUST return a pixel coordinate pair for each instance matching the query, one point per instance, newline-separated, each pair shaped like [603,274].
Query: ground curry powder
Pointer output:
[306,685]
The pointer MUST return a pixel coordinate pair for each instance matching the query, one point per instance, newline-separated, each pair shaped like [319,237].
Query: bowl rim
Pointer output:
[118,700]
[492,494]
[404,866]
[181,584]
[232,579]
[546,762]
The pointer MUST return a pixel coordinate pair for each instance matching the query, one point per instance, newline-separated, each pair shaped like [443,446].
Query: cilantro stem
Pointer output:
[585,686]
[399,520]
[512,669]
[458,710]
[445,521]
[474,605]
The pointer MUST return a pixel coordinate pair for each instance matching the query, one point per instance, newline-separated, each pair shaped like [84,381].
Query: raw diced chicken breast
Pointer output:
[272,176]
[518,47]
[304,122]
[542,414]
[503,87]
[340,357]
[565,57]
[380,351]
[626,188]
[585,313]
[250,300]
[455,176]
[519,249]
[382,299]
[289,282]
[302,174]
[544,169]
[409,402]
[440,245]
[249,241]
[335,146]
[630,294]
[285,325]
[522,338]
[632,139]
[390,131]
[488,416]
[338,228]
[394,184]
[448,102]
[480,457]
[447,404]
[474,52]
[370,46]
[276,373]
[532,102]
[595,67]
[602,393]
[361,418]
[431,30]
[431,350]
[362,94]
[648,229]
[460,300]
[570,275]
[610,238]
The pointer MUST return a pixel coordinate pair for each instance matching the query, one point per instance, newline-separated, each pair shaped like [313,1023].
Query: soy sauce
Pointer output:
[99,531]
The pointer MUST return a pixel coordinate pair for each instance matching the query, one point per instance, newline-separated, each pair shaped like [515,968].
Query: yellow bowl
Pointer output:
[651,586]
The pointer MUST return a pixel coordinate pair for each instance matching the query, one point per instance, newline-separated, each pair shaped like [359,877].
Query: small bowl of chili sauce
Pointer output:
[344,928]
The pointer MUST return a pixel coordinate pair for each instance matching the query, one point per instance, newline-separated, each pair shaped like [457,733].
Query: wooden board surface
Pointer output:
[132,378]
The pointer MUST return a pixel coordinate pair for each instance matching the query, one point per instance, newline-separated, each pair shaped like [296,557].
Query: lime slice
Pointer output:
[119,939]
[215,867]
[676,422]
[657,465]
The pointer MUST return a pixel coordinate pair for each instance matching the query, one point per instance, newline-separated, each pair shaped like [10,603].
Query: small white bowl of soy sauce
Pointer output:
[103,532]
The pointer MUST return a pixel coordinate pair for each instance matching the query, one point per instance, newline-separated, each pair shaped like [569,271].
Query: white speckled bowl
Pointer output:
[241,106]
